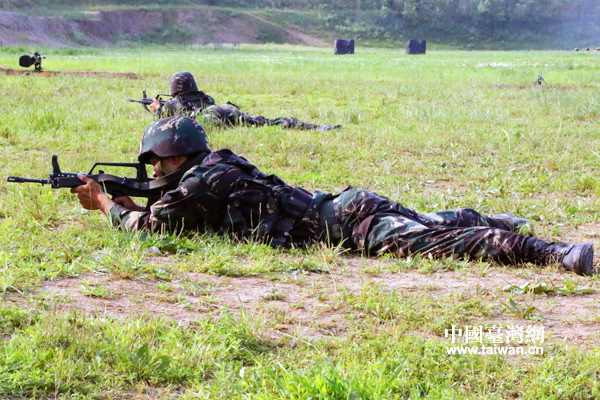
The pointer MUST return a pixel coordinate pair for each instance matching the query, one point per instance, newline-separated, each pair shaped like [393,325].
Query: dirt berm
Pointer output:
[105,28]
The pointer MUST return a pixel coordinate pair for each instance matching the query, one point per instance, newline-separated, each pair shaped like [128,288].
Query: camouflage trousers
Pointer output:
[226,115]
[373,224]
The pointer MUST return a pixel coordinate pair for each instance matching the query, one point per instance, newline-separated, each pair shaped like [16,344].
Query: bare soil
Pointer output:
[307,305]
[107,74]
[104,28]
[295,34]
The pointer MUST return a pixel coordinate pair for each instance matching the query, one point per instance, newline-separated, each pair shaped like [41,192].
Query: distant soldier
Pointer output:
[223,192]
[189,101]
[27,61]
[37,62]
[540,80]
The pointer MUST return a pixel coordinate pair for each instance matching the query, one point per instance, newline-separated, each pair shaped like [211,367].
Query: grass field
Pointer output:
[88,312]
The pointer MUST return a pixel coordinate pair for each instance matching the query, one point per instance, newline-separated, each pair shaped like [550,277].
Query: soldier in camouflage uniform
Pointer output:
[189,101]
[225,193]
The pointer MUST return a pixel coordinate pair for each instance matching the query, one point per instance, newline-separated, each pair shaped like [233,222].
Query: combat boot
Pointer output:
[324,128]
[578,258]
[514,223]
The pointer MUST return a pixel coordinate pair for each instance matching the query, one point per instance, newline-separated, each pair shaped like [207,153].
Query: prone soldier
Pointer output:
[189,101]
[37,61]
[225,193]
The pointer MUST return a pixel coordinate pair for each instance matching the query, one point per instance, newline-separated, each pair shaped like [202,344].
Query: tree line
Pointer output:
[478,17]
[384,19]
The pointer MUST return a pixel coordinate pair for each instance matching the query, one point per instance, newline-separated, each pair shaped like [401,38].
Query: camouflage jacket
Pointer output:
[185,104]
[227,194]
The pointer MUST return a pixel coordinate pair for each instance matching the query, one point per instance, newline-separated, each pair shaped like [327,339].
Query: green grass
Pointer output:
[445,130]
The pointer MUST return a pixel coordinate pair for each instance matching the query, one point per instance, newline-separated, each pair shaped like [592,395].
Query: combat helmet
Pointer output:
[183,82]
[173,136]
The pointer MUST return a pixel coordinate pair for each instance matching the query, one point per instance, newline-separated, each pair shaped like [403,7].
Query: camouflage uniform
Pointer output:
[191,102]
[373,224]
[187,99]
[226,115]
[187,104]
[227,194]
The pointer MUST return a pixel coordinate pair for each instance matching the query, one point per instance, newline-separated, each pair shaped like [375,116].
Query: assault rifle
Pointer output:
[146,101]
[140,186]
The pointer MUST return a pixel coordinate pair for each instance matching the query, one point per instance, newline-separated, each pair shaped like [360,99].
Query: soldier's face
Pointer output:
[158,166]
[165,166]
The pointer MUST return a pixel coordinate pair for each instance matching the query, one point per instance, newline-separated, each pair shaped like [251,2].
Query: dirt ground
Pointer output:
[305,306]
[104,28]
[106,74]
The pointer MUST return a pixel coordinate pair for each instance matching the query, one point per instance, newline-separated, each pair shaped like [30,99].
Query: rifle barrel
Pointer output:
[20,179]
[146,101]
[141,100]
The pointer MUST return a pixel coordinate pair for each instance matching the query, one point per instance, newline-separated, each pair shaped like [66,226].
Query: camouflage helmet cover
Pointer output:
[183,82]
[173,136]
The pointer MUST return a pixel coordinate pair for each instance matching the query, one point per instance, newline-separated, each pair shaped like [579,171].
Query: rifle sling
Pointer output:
[153,186]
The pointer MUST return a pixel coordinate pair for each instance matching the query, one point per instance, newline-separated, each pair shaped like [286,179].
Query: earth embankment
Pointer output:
[106,28]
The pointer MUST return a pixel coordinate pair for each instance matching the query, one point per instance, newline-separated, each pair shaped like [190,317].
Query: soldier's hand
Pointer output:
[128,203]
[154,105]
[91,195]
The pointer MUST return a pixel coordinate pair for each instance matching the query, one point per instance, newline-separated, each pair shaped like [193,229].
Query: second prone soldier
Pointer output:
[189,101]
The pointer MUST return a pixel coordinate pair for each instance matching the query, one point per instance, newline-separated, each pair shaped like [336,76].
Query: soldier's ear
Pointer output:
[183,158]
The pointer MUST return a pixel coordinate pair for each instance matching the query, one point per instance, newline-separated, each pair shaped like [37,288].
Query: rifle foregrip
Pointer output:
[66,182]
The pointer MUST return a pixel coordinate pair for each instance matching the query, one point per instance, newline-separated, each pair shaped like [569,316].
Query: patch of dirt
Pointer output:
[106,74]
[294,33]
[104,28]
[312,306]
[572,317]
